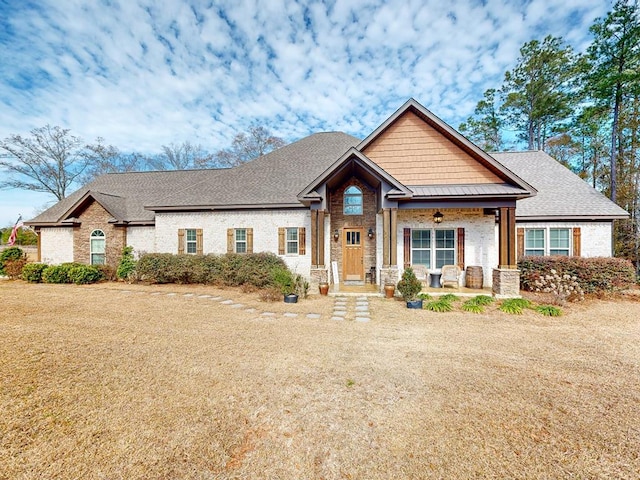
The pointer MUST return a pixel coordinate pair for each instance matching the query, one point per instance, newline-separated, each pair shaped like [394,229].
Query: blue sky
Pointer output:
[142,74]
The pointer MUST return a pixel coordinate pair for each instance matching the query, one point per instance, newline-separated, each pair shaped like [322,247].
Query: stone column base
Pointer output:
[318,274]
[506,283]
[388,275]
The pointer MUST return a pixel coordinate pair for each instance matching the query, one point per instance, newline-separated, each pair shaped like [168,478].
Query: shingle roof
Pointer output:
[134,190]
[273,179]
[561,193]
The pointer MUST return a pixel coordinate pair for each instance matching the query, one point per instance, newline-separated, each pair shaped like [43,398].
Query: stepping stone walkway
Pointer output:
[358,312]
[341,305]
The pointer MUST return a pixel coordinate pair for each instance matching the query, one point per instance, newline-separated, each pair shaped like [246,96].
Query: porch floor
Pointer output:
[374,290]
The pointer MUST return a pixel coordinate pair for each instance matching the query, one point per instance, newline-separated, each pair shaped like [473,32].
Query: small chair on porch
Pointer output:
[451,274]
[421,273]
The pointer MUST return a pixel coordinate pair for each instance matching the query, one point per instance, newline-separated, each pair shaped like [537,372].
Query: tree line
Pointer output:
[583,108]
[53,160]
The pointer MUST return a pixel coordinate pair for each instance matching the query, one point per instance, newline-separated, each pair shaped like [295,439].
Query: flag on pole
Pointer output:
[14,232]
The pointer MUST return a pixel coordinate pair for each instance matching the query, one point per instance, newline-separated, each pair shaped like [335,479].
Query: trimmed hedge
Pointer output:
[232,269]
[32,272]
[594,275]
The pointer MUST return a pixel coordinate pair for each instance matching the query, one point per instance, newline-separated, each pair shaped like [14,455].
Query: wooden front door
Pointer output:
[352,254]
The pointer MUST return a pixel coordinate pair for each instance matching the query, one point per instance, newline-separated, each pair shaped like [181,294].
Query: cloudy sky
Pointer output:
[145,73]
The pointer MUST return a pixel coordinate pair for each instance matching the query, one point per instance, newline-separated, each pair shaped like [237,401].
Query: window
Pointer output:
[241,240]
[292,241]
[551,241]
[534,241]
[353,201]
[421,247]
[433,248]
[559,241]
[98,247]
[445,248]
[191,242]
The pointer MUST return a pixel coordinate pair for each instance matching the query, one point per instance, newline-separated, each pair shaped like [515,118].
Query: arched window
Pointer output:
[353,201]
[97,246]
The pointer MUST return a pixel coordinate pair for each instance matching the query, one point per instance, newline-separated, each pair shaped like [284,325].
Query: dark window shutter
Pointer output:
[520,243]
[281,234]
[461,248]
[180,241]
[576,242]
[302,240]
[230,248]
[249,240]
[199,241]
[407,247]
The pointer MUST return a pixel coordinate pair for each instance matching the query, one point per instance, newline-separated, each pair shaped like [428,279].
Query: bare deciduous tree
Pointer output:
[248,146]
[50,161]
[183,156]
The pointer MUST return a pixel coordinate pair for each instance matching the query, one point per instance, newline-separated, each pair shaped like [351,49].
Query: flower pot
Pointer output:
[291,298]
[389,290]
[414,304]
[324,288]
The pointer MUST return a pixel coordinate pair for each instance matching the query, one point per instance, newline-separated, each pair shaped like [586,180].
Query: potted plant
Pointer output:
[323,285]
[389,289]
[409,287]
[285,281]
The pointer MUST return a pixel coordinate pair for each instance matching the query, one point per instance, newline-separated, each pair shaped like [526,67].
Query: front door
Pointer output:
[352,254]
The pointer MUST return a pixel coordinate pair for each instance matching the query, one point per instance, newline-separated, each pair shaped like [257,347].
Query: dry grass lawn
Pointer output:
[101,383]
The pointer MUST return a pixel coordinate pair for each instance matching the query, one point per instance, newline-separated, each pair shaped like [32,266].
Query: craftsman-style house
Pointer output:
[414,192]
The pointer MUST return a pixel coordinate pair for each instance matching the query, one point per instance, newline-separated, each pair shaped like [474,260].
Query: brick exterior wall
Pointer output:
[94,217]
[142,239]
[56,245]
[339,220]
[214,226]
[596,237]
[480,245]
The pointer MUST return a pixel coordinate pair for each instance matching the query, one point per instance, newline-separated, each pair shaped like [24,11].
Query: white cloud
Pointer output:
[142,74]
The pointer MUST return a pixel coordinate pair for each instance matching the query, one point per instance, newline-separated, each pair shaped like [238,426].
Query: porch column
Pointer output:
[393,227]
[317,238]
[507,236]
[389,237]
[506,278]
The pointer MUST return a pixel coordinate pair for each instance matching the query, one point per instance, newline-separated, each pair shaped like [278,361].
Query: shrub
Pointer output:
[593,275]
[127,264]
[231,269]
[32,272]
[562,287]
[472,306]
[439,305]
[57,273]
[11,253]
[450,297]
[155,268]
[284,280]
[108,272]
[409,286]
[515,305]
[483,300]
[84,274]
[13,268]
[549,310]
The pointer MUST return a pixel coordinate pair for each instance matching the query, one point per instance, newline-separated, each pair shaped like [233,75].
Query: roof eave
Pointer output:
[209,208]
[559,218]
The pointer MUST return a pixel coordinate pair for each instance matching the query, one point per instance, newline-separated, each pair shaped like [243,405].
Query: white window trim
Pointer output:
[288,242]
[237,242]
[102,237]
[547,241]
[188,242]
[433,249]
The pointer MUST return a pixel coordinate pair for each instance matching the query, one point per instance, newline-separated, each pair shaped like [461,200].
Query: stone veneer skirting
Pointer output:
[506,282]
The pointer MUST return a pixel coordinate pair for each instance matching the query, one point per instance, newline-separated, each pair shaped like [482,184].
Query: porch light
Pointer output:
[370,233]
[335,234]
[437,217]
